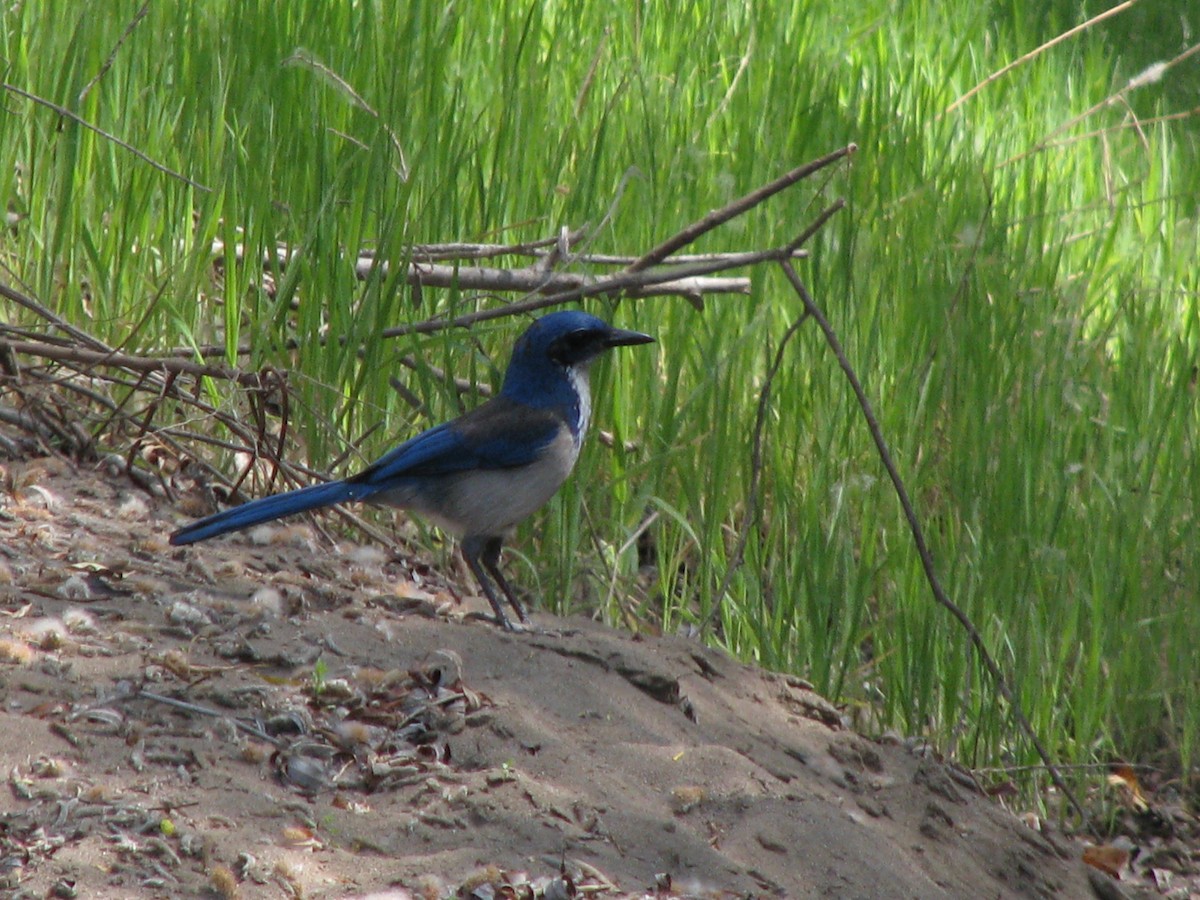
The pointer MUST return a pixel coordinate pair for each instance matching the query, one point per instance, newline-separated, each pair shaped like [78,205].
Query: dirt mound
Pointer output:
[366,737]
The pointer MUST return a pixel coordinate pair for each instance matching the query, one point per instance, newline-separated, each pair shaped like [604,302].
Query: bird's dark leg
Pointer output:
[491,560]
[473,548]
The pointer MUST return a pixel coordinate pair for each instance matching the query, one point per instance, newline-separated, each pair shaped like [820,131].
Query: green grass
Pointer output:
[1019,300]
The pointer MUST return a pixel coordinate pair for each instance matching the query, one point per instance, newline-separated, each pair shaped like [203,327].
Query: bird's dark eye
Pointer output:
[574,347]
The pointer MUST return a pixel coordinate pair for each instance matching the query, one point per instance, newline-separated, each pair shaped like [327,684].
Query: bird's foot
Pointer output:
[501,621]
[526,627]
[507,624]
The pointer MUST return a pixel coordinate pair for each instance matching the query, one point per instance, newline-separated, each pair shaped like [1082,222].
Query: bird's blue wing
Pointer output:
[500,434]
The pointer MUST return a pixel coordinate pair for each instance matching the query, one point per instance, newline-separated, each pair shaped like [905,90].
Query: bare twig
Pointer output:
[1117,98]
[538,281]
[679,259]
[623,282]
[1122,126]
[132,363]
[195,708]
[1037,51]
[743,65]
[529,280]
[29,423]
[802,238]
[44,312]
[460,250]
[62,427]
[125,145]
[133,23]
[736,208]
[585,88]
[935,584]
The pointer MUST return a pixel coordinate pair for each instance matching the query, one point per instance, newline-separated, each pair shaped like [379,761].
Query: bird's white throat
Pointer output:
[579,381]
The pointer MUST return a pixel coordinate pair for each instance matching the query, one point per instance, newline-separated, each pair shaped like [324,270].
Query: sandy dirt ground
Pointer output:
[270,715]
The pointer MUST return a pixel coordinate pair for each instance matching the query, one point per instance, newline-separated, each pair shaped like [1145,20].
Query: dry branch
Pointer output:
[623,284]
[146,364]
[428,269]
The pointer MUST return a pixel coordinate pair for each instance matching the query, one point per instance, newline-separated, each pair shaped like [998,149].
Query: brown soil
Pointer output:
[438,754]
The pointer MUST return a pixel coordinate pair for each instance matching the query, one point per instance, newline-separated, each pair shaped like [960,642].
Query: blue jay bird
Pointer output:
[479,475]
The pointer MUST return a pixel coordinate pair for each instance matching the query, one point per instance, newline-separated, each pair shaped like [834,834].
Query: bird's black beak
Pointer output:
[580,347]
[617,337]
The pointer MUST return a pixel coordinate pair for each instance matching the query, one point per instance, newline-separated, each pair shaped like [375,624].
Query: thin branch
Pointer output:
[538,281]
[802,238]
[736,208]
[1037,51]
[679,259]
[460,250]
[163,364]
[527,280]
[141,694]
[923,551]
[75,117]
[1133,84]
[585,88]
[1122,126]
[633,283]
[137,17]
[44,312]
[719,111]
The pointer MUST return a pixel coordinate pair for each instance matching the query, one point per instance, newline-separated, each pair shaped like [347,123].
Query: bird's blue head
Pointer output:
[550,361]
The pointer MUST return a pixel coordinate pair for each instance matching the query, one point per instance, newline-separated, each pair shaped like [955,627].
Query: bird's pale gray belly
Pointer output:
[487,501]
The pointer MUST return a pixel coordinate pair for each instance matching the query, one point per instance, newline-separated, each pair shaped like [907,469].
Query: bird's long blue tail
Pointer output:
[267,508]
